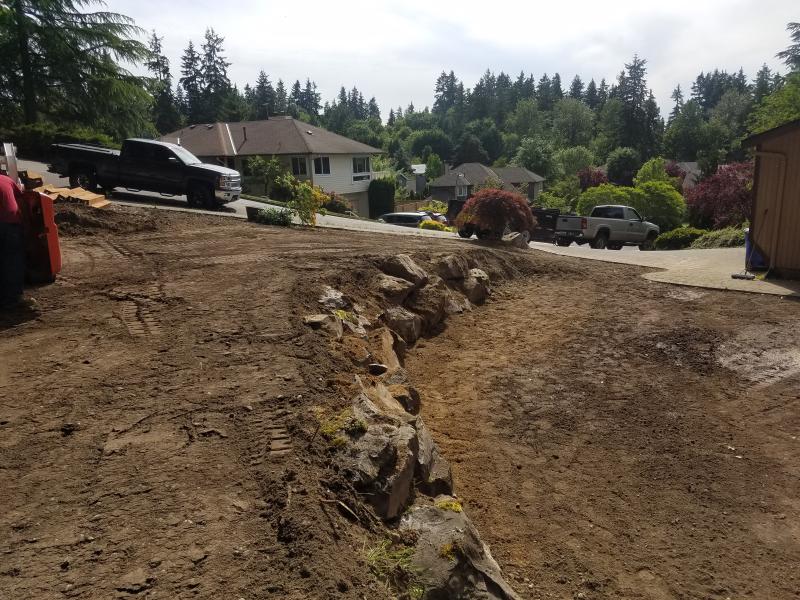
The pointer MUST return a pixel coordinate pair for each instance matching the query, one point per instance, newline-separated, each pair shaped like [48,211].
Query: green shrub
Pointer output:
[34,141]
[266,170]
[306,202]
[730,237]
[274,216]
[659,202]
[435,206]
[285,187]
[335,205]
[553,200]
[679,238]
[380,195]
[433,225]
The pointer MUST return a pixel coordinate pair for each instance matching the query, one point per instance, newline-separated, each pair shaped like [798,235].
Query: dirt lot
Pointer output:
[616,438]
[611,437]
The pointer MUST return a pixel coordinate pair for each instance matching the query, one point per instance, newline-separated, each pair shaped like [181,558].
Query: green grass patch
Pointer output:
[393,566]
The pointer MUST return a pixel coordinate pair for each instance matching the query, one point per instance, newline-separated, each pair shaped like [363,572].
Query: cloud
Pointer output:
[394,50]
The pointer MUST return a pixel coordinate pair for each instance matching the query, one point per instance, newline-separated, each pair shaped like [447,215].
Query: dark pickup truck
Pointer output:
[150,166]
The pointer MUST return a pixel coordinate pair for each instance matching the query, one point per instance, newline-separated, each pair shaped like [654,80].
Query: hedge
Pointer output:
[381,197]
[730,237]
[679,238]
[34,141]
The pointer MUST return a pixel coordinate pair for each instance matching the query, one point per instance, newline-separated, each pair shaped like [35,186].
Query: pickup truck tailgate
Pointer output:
[569,223]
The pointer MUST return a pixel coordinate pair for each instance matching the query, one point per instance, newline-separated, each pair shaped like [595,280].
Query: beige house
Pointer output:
[325,159]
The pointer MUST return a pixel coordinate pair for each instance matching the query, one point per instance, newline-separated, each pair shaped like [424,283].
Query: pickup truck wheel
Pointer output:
[202,197]
[83,178]
[601,241]
[563,242]
[649,243]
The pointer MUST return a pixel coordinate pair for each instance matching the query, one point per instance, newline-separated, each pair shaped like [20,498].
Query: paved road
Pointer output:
[710,268]
[234,209]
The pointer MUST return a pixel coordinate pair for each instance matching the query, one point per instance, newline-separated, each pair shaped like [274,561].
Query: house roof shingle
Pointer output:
[279,135]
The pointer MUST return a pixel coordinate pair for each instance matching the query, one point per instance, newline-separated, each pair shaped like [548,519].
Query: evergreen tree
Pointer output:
[556,91]
[165,112]
[544,95]
[263,101]
[390,120]
[281,101]
[62,58]
[214,70]
[591,97]
[602,93]
[764,83]
[192,82]
[576,89]
[677,97]
[309,98]
[295,99]
[469,149]
[791,56]
[373,111]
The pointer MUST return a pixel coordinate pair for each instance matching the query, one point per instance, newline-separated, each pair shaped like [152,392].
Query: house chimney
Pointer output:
[244,131]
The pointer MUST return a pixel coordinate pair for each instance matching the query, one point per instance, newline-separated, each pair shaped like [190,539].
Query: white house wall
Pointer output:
[341,178]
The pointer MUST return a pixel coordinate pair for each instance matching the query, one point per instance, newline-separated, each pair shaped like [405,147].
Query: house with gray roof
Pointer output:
[323,158]
[459,183]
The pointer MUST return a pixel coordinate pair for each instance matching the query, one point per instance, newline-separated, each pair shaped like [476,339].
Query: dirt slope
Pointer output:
[155,419]
[615,438]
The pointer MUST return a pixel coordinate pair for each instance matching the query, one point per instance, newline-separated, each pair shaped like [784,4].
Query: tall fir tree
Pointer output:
[263,101]
[591,97]
[576,88]
[192,83]
[281,99]
[677,97]
[165,110]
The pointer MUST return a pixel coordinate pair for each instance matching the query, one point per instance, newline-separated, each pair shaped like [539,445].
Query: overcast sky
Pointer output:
[395,49]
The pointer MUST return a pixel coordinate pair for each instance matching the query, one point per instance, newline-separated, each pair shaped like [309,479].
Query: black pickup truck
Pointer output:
[147,165]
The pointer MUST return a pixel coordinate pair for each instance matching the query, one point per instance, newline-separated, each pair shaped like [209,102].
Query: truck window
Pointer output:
[134,151]
[608,212]
[632,215]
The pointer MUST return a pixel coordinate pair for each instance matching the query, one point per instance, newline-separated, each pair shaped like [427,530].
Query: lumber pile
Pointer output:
[77,194]
[34,181]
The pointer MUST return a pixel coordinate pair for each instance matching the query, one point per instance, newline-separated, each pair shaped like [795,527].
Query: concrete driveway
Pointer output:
[234,209]
[710,268]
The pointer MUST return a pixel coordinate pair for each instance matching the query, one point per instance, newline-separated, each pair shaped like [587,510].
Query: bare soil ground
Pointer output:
[611,437]
[616,438]
[155,417]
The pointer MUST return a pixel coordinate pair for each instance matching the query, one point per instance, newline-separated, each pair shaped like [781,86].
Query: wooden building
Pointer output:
[775,217]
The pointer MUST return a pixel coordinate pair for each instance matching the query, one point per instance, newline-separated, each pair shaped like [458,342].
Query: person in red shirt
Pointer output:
[12,249]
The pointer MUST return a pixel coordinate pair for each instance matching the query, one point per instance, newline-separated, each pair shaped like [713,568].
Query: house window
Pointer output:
[461,192]
[361,170]
[322,165]
[299,165]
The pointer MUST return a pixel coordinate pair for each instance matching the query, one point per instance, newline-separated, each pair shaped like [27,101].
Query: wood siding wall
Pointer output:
[776,208]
